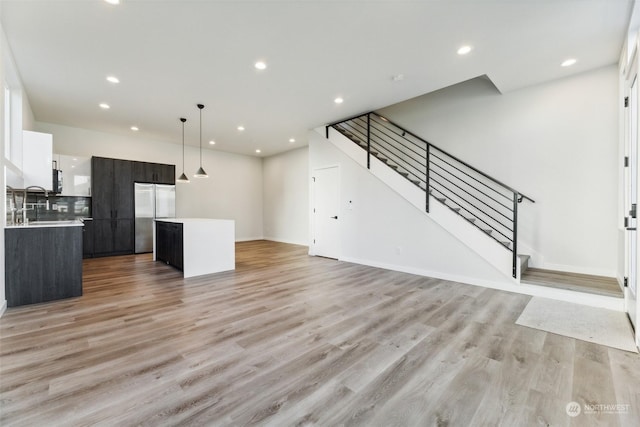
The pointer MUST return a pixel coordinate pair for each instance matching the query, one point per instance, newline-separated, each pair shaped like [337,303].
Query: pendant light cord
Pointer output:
[200,173]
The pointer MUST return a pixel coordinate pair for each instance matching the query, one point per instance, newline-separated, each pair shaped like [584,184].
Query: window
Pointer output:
[7,121]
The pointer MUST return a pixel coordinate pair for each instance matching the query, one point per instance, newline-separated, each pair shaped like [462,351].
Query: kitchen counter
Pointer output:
[197,246]
[36,224]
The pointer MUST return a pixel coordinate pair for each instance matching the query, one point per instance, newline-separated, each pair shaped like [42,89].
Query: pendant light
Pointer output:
[201,173]
[183,178]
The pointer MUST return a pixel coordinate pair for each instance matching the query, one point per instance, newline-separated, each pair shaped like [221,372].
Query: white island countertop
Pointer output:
[208,245]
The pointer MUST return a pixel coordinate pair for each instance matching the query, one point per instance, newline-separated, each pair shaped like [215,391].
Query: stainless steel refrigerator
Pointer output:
[151,201]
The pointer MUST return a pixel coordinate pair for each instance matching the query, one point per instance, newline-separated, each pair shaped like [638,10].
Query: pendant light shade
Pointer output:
[183,178]
[200,173]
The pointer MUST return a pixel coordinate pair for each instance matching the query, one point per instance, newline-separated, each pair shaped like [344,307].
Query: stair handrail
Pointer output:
[517,196]
[513,190]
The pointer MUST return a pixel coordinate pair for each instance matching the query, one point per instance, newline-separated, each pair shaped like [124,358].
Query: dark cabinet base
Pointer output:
[87,239]
[169,244]
[42,264]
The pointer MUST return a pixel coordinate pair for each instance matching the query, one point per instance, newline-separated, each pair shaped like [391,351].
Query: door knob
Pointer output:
[334,217]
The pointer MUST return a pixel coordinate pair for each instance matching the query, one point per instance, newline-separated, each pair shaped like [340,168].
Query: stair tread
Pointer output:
[599,285]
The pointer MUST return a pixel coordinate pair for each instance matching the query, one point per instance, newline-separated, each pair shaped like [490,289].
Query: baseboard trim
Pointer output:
[291,242]
[610,303]
[3,307]
[249,239]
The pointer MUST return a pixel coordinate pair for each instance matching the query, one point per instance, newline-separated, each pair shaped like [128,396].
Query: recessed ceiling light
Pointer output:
[212,142]
[113,79]
[240,128]
[113,1]
[569,62]
[338,100]
[292,140]
[104,106]
[258,151]
[135,128]
[260,65]
[464,50]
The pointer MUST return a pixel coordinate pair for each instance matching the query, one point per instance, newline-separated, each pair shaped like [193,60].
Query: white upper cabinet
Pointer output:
[36,159]
[76,175]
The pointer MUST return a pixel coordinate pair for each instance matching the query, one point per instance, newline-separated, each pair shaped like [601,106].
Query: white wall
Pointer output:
[232,191]
[3,298]
[556,142]
[383,229]
[286,197]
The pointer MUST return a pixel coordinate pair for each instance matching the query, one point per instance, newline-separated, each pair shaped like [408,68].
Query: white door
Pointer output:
[631,189]
[326,218]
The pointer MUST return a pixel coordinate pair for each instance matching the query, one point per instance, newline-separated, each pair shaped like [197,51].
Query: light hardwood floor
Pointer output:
[287,340]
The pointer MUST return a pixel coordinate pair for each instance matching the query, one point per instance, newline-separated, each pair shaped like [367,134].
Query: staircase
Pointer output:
[484,203]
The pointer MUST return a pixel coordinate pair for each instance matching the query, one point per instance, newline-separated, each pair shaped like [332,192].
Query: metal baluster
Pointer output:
[515,235]
[368,140]
[427,175]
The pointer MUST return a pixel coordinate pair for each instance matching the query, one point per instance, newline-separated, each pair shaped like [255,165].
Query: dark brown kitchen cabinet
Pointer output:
[154,173]
[112,201]
[112,237]
[102,177]
[169,243]
[42,264]
[87,239]
[112,193]
[112,206]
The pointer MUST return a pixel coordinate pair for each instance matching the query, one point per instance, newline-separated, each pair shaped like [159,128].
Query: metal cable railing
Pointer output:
[482,200]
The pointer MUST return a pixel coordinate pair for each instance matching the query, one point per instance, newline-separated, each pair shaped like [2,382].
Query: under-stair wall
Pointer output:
[413,189]
[382,228]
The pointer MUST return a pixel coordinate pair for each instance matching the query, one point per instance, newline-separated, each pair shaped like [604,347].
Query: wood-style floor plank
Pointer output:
[288,339]
[599,285]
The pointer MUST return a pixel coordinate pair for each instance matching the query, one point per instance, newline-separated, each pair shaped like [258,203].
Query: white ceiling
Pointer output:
[172,54]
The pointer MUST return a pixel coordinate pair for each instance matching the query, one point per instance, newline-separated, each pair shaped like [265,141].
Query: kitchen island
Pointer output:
[197,246]
[43,262]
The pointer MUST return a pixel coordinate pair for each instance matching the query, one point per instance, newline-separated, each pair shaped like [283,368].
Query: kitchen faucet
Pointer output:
[24,200]
[12,204]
